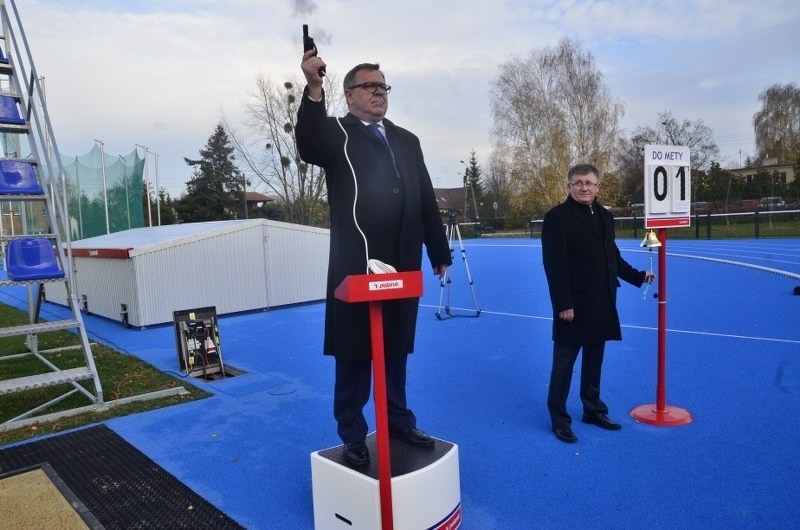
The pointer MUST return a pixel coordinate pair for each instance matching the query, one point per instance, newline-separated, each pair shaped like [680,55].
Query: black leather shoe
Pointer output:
[413,437]
[602,421]
[566,435]
[356,453]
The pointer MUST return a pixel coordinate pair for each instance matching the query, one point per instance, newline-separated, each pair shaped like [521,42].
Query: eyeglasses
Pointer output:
[582,184]
[372,87]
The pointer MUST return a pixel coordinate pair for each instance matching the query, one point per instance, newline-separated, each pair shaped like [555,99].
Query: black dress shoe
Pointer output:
[356,453]
[602,421]
[413,437]
[566,435]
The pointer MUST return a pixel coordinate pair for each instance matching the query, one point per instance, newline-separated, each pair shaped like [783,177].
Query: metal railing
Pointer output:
[742,225]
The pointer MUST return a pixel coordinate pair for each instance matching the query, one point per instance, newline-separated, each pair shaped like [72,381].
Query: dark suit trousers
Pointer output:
[352,391]
[564,356]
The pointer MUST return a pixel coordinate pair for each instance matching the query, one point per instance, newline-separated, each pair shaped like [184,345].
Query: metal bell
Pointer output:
[650,240]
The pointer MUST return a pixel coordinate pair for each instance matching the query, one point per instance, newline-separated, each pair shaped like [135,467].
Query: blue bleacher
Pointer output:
[3,58]
[32,259]
[18,178]
[9,113]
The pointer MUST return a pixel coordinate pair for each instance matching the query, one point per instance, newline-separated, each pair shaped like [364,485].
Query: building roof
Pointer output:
[254,196]
[152,238]
[449,198]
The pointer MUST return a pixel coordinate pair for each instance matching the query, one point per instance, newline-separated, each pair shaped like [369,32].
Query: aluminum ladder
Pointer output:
[29,140]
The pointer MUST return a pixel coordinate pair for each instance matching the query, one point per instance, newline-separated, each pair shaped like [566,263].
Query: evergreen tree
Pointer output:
[216,190]
[474,184]
[166,205]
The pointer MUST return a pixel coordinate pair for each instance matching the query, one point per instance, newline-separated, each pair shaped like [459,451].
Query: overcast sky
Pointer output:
[162,73]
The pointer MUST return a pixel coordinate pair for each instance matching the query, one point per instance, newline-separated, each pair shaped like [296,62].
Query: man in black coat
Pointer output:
[382,207]
[582,264]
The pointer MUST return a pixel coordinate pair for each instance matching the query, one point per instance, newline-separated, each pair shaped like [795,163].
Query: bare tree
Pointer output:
[629,162]
[777,124]
[550,111]
[270,155]
[695,135]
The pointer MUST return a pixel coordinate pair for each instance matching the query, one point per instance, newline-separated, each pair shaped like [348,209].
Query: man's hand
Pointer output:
[440,270]
[310,66]
[649,277]
[567,315]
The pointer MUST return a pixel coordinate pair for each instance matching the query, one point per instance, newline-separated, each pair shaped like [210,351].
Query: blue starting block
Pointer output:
[18,178]
[32,259]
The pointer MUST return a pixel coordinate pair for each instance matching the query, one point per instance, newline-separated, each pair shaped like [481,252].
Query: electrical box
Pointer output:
[198,344]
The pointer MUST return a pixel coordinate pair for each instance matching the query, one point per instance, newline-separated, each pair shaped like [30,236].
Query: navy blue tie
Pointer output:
[376,129]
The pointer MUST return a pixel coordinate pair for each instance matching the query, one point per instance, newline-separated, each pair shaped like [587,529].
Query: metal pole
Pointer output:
[659,413]
[78,197]
[147,186]
[46,128]
[125,184]
[467,184]
[465,192]
[105,183]
[244,194]
[661,385]
[158,192]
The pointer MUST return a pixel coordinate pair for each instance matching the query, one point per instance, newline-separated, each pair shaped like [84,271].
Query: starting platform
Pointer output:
[425,483]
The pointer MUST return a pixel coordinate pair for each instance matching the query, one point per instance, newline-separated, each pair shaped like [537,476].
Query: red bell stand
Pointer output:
[375,288]
[659,413]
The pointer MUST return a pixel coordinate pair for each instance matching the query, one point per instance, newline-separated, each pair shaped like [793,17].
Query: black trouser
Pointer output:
[564,356]
[352,390]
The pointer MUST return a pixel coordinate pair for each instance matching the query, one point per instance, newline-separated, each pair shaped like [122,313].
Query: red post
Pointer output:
[381,414]
[661,385]
[374,288]
[659,413]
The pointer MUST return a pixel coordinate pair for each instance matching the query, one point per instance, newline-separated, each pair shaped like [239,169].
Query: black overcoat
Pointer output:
[582,264]
[395,208]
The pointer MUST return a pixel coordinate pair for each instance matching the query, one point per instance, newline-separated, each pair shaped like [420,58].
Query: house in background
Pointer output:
[255,199]
[450,199]
[784,172]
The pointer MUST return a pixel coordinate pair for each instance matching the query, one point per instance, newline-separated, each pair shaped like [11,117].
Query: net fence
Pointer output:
[104,192]
[779,223]
[104,195]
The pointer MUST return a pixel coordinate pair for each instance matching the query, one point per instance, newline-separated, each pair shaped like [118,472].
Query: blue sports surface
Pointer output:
[733,361]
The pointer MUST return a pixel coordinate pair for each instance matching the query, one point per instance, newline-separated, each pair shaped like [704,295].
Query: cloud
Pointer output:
[162,73]
[304,7]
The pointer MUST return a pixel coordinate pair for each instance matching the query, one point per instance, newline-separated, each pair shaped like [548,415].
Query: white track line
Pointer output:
[647,328]
[690,256]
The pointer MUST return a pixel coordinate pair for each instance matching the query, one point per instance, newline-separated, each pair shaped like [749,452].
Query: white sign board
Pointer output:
[667,186]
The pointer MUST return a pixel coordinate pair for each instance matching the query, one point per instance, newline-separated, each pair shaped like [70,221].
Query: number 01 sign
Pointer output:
[667,186]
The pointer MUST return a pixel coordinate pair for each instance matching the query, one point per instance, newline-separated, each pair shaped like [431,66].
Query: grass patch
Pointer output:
[121,376]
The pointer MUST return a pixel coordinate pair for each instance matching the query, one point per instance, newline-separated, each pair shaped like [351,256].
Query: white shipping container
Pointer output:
[231,265]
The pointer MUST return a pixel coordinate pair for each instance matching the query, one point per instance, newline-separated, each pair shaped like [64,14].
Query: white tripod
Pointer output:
[453,231]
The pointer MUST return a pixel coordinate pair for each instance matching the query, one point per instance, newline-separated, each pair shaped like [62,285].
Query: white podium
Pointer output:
[426,488]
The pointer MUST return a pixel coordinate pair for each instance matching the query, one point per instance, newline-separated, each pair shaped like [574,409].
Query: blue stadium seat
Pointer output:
[3,58]
[31,259]
[18,178]
[9,113]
